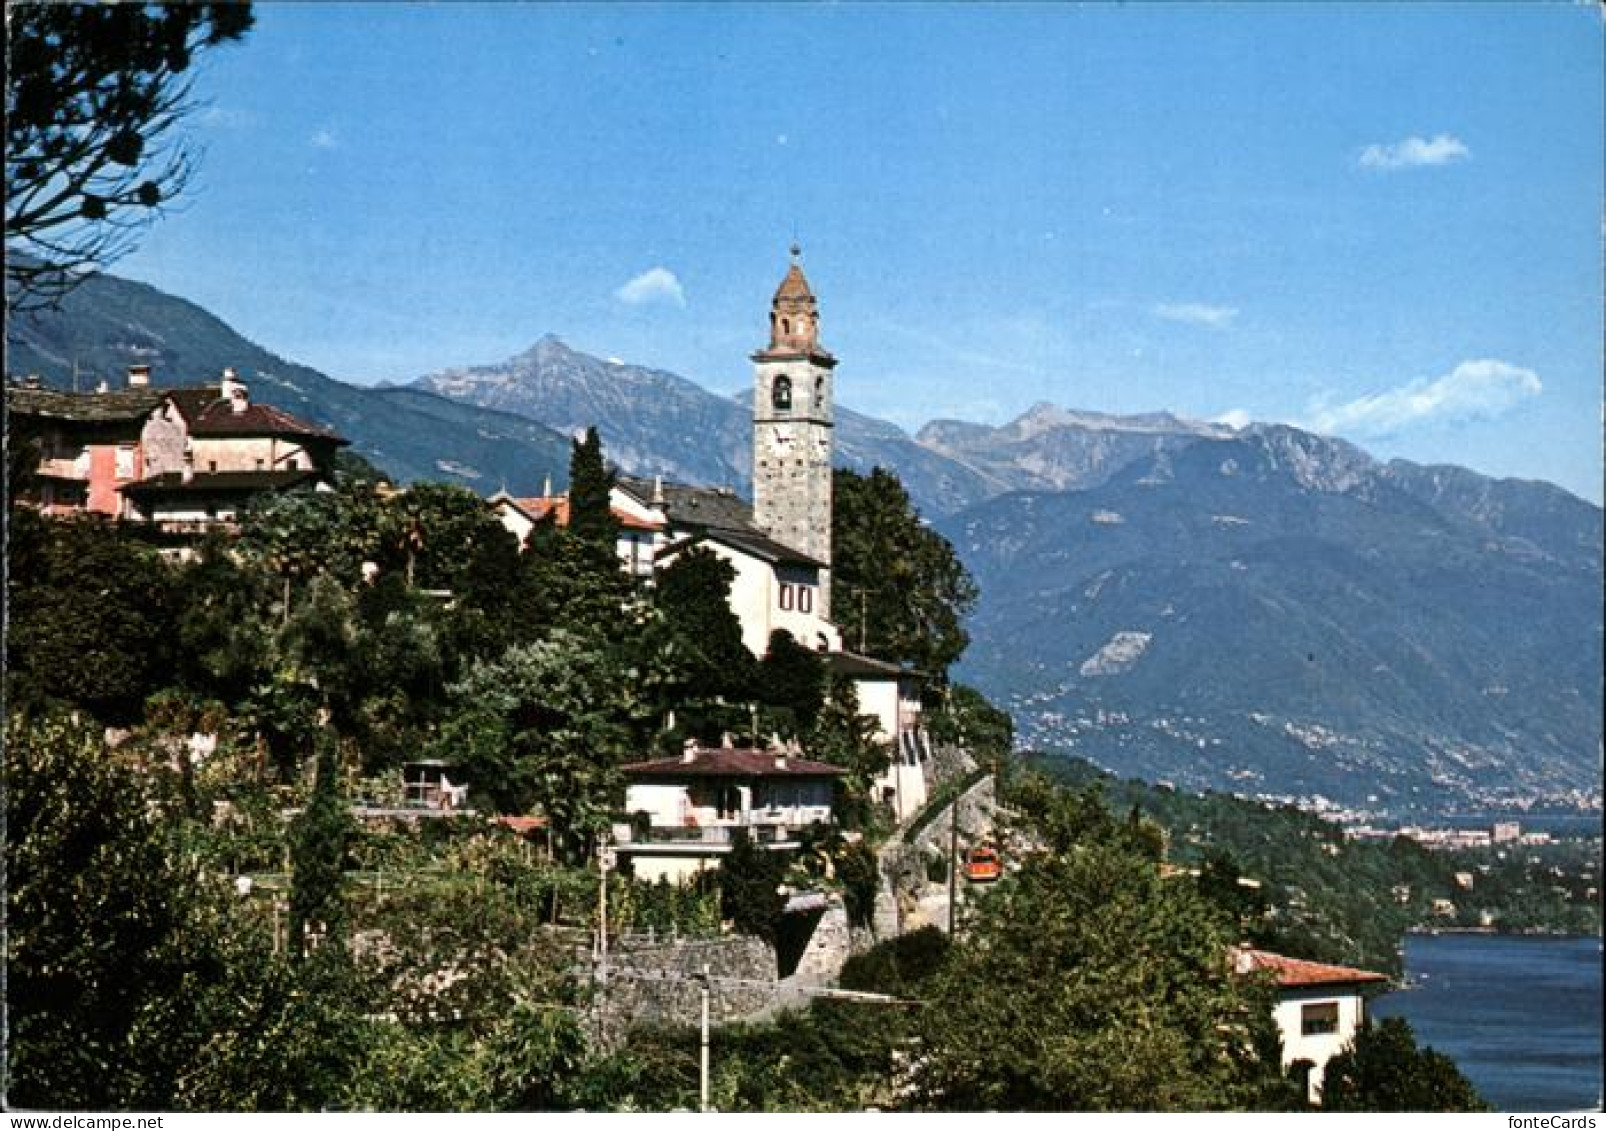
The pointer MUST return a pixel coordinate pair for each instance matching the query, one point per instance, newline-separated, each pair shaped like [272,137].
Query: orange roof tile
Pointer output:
[539,506]
[1292,973]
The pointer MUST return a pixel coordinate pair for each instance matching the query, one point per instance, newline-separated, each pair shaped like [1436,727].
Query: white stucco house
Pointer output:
[639,534]
[890,694]
[1319,1008]
[694,804]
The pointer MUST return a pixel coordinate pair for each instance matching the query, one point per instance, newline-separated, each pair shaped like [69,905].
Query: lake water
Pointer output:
[1520,1016]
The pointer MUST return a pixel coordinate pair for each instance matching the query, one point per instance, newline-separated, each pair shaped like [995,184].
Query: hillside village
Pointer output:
[657,774]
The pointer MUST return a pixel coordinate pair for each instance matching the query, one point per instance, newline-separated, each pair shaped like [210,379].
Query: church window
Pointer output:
[781,396]
[805,599]
[786,595]
[819,391]
[786,325]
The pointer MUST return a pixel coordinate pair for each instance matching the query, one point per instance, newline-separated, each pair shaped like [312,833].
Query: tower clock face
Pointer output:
[783,435]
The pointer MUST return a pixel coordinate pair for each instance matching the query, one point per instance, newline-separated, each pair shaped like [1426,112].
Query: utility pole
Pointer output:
[702,1093]
[604,859]
[953,861]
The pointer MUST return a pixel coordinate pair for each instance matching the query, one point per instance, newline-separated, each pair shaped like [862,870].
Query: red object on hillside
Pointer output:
[982,865]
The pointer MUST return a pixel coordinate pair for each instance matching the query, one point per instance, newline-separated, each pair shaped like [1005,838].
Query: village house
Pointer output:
[687,810]
[181,459]
[639,534]
[1319,1010]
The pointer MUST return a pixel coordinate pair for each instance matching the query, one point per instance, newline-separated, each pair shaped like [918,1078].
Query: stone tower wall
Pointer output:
[792,448]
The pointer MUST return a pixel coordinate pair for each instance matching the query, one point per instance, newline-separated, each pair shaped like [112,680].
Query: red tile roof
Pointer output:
[538,507]
[208,414]
[1293,973]
[522,825]
[727,762]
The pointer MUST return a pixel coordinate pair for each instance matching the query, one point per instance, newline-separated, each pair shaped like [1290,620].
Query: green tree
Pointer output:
[225,631]
[106,951]
[1222,883]
[897,587]
[792,679]
[590,482]
[569,583]
[91,611]
[1085,982]
[319,839]
[693,592]
[546,726]
[966,719]
[749,887]
[1385,1070]
[93,93]
[843,737]
[444,537]
[299,536]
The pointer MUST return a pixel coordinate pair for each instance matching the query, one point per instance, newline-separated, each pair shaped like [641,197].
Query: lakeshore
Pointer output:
[1521,1015]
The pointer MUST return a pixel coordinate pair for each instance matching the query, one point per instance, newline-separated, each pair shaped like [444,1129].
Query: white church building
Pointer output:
[779,544]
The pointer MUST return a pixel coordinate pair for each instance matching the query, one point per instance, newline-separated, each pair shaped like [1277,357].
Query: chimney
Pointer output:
[233,390]
[546,487]
[31,381]
[187,475]
[139,376]
[688,753]
[658,491]
[780,760]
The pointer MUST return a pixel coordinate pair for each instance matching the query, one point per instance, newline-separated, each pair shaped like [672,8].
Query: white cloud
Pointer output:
[1472,390]
[1415,152]
[224,118]
[657,284]
[1235,418]
[324,138]
[1197,313]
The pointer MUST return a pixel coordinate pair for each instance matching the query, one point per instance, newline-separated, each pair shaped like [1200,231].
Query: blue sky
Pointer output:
[1381,221]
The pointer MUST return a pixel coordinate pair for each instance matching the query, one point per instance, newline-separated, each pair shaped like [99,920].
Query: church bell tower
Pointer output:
[792,426]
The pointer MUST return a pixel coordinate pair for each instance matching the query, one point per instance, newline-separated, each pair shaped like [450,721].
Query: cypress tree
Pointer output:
[590,517]
[317,855]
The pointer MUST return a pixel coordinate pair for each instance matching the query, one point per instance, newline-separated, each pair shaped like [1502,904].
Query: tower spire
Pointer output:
[795,316]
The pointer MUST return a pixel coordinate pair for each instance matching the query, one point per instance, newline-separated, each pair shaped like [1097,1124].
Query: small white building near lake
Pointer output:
[1319,1009]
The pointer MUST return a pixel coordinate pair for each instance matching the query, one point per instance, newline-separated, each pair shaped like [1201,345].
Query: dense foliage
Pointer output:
[1315,894]
[897,588]
[1385,1070]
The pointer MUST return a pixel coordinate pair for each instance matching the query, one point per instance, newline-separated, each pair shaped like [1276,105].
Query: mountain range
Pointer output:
[1277,614]
[1263,610]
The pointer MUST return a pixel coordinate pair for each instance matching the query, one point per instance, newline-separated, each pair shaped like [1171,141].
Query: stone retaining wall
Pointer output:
[657,982]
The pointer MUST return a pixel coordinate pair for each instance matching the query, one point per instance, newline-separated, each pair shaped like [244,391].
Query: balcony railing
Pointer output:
[762,826]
